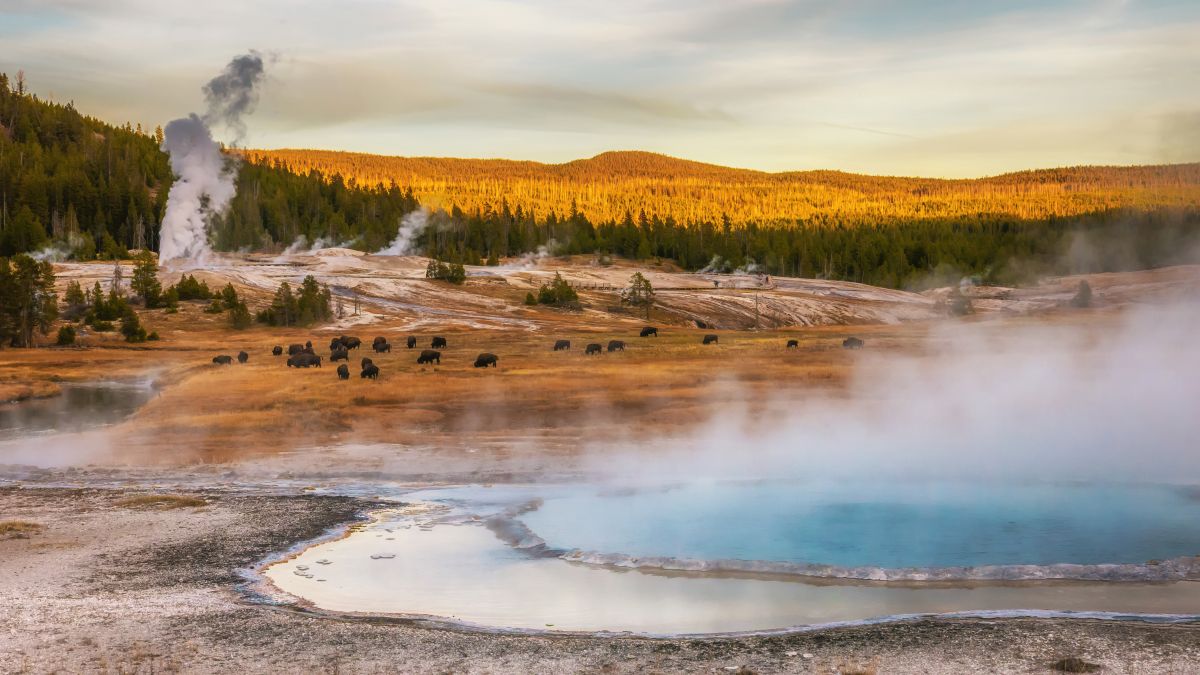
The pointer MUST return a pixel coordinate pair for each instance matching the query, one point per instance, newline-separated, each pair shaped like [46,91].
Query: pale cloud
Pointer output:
[866,85]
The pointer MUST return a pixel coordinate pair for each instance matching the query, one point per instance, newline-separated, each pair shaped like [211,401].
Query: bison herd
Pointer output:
[303,356]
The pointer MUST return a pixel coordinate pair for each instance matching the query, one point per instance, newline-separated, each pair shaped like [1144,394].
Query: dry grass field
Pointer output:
[536,400]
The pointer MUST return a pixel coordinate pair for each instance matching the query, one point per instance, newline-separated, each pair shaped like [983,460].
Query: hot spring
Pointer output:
[722,556]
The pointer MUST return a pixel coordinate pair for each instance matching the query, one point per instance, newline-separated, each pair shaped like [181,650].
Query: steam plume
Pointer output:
[411,227]
[204,182]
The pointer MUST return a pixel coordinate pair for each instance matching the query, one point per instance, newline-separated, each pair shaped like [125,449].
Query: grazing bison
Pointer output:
[852,343]
[378,339]
[371,370]
[648,331]
[243,357]
[710,339]
[295,349]
[438,341]
[223,360]
[593,348]
[381,347]
[429,356]
[304,360]
[365,362]
[560,345]
[276,350]
[350,342]
[616,345]
[339,355]
[484,360]
[792,344]
[411,342]
[343,372]
[336,344]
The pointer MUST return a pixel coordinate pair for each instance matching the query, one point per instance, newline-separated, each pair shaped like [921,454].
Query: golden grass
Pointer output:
[161,502]
[19,529]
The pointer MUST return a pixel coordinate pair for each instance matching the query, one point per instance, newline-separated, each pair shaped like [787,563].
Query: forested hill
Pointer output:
[73,185]
[607,186]
[81,187]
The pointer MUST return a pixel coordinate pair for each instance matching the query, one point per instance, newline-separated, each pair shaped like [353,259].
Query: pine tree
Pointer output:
[145,281]
[639,293]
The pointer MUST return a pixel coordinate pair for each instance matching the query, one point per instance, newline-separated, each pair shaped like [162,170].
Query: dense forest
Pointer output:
[71,185]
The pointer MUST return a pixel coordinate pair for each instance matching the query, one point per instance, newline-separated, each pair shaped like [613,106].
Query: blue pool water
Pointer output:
[900,525]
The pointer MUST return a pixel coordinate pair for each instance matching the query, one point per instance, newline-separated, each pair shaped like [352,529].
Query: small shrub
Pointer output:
[131,327]
[161,501]
[19,529]
[529,299]
[102,326]
[152,336]
[215,308]
[66,336]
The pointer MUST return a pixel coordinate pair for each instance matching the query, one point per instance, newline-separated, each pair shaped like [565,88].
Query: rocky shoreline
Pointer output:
[110,585]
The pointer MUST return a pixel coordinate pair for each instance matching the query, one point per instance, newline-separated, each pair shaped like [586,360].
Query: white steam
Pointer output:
[411,227]
[205,177]
[1109,401]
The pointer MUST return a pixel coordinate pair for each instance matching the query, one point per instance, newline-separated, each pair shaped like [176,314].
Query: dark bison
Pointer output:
[381,347]
[710,339]
[484,360]
[308,348]
[365,362]
[276,350]
[700,324]
[350,342]
[304,360]
[223,359]
[378,339]
[593,348]
[438,341]
[339,355]
[648,331]
[429,356]
[243,357]
[792,344]
[336,344]
[560,345]
[371,370]
[343,372]
[411,342]
[616,345]
[295,349]
[852,343]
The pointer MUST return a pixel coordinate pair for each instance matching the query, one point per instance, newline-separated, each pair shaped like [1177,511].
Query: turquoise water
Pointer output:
[904,525]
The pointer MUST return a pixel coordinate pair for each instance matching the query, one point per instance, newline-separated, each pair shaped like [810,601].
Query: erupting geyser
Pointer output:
[205,177]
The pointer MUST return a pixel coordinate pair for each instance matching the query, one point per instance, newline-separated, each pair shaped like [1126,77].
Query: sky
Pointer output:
[934,88]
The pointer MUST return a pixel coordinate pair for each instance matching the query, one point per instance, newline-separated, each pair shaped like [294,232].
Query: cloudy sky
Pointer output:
[937,87]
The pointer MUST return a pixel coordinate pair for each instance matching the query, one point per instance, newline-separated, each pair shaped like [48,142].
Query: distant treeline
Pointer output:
[89,189]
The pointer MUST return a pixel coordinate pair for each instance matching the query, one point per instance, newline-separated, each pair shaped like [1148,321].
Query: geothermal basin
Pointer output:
[710,557]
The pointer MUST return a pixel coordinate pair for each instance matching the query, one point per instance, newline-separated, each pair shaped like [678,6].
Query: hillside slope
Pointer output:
[607,186]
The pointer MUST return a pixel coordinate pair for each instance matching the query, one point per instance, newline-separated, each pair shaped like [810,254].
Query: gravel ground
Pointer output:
[112,588]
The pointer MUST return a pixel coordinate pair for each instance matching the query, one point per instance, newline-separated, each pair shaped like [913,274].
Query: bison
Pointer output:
[371,370]
[365,362]
[852,343]
[429,356]
[276,350]
[593,348]
[336,344]
[243,357]
[411,342]
[339,355]
[308,347]
[304,360]
[560,345]
[295,349]
[648,331]
[616,345]
[378,339]
[343,372]
[350,342]
[792,344]
[381,347]
[700,324]
[438,341]
[484,360]
[223,360]
[710,339]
